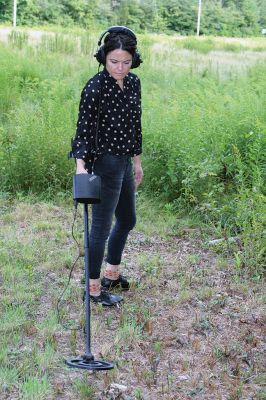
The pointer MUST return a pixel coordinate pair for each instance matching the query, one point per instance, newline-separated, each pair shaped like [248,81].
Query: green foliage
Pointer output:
[225,18]
[37,114]
[18,39]
[83,389]
[181,16]
[8,377]
[35,388]
[5,10]
[202,46]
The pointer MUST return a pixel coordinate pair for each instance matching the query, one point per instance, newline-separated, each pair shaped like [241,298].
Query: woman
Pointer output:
[108,137]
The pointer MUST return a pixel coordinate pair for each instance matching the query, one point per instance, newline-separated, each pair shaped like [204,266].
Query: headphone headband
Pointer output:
[118,29]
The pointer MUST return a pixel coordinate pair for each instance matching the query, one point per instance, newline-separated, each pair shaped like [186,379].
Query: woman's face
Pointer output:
[118,63]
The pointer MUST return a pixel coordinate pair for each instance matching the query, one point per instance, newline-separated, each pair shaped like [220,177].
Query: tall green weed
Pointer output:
[202,46]
[205,150]
[38,116]
[18,38]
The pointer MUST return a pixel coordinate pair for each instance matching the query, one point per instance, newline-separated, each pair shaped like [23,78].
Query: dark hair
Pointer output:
[114,41]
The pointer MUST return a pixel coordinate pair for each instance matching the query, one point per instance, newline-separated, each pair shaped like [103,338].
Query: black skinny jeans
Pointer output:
[117,199]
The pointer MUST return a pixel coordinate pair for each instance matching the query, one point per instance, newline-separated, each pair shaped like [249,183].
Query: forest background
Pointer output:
[219,17]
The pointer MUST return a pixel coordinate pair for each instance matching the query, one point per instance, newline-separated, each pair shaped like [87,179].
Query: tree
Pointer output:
[137,18]
[212,20]
[103,13]
[222,17]
[220,20]
[182,16]
[250,12]
[123,13]
[35,11]
[262,13]
[5,10]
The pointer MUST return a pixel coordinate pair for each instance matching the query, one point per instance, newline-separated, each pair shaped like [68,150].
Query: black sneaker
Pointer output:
[111,283]
[106,299]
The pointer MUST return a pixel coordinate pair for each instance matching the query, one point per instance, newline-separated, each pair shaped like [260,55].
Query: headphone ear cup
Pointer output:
[136,60]
[100,55]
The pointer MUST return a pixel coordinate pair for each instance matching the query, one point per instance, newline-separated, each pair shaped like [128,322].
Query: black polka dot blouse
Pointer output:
[116,112]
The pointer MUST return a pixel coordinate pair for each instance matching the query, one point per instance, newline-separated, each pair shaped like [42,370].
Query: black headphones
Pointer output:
[100,54]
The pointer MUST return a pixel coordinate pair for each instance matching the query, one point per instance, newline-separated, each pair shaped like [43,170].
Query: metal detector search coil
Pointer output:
[87,188]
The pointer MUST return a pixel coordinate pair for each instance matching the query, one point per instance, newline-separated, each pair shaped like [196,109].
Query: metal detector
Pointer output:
[87,361]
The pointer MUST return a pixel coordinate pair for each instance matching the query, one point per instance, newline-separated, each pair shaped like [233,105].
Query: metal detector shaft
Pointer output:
[87,283]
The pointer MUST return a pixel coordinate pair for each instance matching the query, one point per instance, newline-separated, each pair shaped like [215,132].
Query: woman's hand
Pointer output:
[138,171]
[80,166]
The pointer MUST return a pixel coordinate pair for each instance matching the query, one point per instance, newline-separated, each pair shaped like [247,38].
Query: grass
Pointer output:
[84,391]
[170,334]
[35,388]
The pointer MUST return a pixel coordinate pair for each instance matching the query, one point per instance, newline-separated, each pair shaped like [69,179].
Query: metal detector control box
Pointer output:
[87,188]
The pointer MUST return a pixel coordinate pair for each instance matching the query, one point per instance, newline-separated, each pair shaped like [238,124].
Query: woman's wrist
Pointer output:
[138,172]
[137,160]
[80,162]
[80,166]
